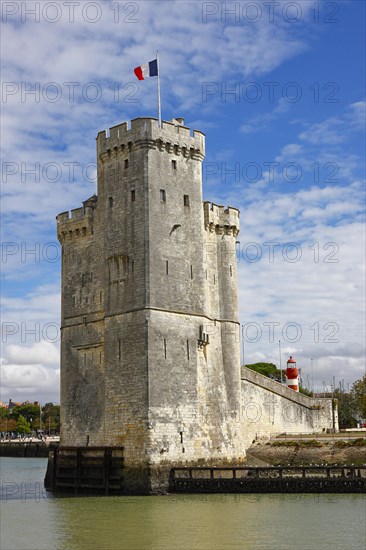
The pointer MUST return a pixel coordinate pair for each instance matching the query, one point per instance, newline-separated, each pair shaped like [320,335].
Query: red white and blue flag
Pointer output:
[146,70]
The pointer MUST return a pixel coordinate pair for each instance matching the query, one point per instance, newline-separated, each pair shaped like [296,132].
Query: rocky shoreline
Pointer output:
[307,452]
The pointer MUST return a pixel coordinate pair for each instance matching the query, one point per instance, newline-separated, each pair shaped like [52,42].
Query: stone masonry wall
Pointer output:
[269,408]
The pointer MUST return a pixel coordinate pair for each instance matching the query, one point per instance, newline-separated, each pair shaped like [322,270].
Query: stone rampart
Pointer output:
[269,408]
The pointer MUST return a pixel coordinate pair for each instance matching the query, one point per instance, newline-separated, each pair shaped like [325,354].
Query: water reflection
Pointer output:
[36,520]
[212,522]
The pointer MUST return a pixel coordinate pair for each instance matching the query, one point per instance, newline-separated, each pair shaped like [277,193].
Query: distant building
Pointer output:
[13,404]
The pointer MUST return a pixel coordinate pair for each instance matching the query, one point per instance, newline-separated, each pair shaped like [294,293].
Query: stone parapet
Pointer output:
[283,391]
[220,219]
[78,222]
[173,136]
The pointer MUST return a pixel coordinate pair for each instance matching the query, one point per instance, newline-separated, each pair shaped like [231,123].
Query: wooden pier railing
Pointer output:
[271,479]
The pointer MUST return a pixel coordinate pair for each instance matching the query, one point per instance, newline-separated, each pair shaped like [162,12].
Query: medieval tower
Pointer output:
[150,353]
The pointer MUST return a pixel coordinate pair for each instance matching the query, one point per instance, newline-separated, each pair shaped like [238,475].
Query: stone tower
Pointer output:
[150,353]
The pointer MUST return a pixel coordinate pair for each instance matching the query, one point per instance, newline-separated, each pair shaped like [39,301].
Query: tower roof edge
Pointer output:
[142,128]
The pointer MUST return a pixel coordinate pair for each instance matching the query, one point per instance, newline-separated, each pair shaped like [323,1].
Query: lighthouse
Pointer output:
[292,375]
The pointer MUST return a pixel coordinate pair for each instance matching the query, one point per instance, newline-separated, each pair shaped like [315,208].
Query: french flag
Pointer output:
[146,70]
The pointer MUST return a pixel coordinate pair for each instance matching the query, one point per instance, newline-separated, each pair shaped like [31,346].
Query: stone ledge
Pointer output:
[275,387]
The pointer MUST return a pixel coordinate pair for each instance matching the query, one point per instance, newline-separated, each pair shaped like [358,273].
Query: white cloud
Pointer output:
[43,352]
[290,150]
[42,304]
[336,130]
[29,382]
[30,336]
[322,292]
[262,122]
[328,132]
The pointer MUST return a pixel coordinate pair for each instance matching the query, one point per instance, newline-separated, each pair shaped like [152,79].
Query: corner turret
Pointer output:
[79,224]
[220,219]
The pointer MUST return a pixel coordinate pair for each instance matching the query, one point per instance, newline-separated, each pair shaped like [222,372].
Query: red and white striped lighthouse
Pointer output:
[292,374]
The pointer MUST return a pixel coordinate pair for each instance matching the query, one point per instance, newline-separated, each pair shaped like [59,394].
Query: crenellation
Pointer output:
[77,213]
[63,217]
[174,127]
[78,224]
[220,219]
[118,131]
[146,133]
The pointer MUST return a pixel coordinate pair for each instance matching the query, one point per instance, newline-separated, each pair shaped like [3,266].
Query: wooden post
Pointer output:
[78,468]
[54,469]
[106,467]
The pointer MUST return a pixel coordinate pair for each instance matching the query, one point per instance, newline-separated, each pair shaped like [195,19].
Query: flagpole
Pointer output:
[159,104]
[279,348]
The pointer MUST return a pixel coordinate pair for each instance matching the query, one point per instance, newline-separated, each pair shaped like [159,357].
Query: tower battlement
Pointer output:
[78,222]
[173,136]
[220,219]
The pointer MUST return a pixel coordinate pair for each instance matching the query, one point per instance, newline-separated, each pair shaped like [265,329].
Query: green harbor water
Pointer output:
[31,518]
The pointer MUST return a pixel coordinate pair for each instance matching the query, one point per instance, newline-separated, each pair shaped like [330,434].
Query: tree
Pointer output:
[4,412]
[359,392]
[347,409]
[22,425]
[7,425]
[271,371]
[305,391]
[47,417]
[267,369]
[51,417]
[28,410]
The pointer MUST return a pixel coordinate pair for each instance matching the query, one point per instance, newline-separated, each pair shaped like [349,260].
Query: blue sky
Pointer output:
[279,90]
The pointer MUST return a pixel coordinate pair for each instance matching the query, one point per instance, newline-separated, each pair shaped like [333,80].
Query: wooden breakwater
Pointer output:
[95,470]
[26,449]
[281,479]
[100,470]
